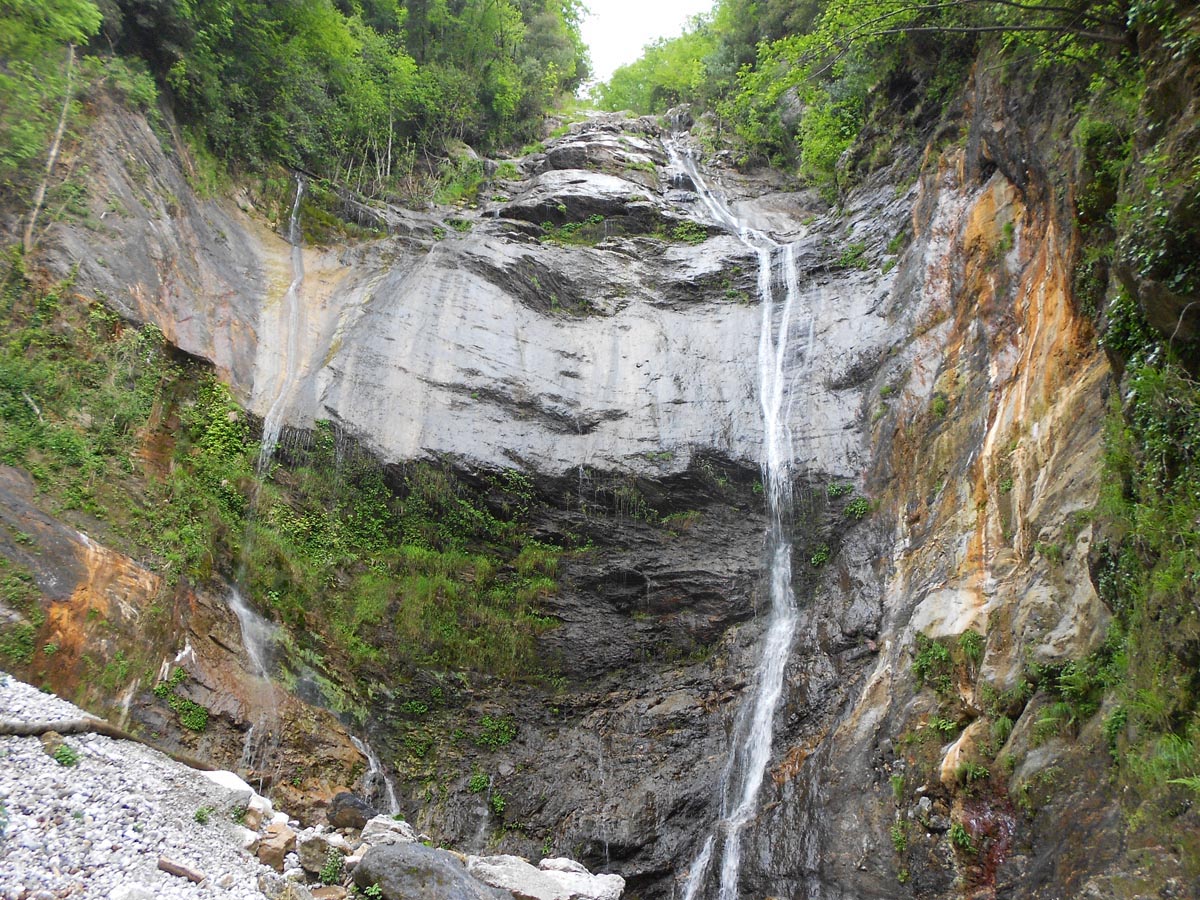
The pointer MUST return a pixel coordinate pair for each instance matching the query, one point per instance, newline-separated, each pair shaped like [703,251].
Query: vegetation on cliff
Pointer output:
[357,92]
[800,82]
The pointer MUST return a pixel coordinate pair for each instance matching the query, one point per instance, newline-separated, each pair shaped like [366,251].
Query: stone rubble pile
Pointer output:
[101,819]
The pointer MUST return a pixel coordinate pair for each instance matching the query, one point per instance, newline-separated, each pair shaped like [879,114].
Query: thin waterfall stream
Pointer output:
[273,420]
[750,753]
[258,633]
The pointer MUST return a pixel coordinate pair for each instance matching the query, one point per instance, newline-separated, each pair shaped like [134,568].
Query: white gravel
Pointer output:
[98,828]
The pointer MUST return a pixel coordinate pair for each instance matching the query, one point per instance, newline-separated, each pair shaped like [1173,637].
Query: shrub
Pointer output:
[961,838]
[479,783]
[858,508]
[820,556]
[496,732]
[334,869]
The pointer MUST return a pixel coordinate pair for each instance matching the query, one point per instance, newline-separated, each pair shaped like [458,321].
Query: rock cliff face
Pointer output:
[940,367]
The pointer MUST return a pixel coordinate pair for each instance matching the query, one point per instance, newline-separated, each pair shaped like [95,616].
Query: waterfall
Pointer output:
[751,741]
[258,637]
[376,776]
[273,420]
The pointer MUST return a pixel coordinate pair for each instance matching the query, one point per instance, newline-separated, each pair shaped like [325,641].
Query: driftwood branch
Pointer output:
[94,726]
[182,871]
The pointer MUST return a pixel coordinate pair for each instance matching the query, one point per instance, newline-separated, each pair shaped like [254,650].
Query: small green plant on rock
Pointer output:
[498,803]
[478,783]
[971,645]
[204,814]
[854,256]
[820,556]
[899,837]
[961,838]
[838,489]
[932,664]
[689,233]
[334,869]
[66,755]
[858,508]
[496,732]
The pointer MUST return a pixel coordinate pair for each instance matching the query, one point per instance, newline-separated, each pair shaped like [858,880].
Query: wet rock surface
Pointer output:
[945,375]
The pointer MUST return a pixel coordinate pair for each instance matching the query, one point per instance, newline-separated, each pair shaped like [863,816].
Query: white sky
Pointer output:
[616,30]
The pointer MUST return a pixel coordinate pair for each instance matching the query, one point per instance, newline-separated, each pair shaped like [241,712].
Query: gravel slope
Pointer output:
[97,829]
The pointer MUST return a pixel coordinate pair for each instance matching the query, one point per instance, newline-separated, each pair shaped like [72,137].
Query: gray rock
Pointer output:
[313,850]
[558,879]
[348,810]
[131,892]
[277,887]
[386,830]
[409,871]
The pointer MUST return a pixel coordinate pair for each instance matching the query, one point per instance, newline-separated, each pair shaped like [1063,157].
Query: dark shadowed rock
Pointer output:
[350,811]
[411,871]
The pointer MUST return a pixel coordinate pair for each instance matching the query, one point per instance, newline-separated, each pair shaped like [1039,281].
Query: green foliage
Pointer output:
[496,732]
[66,755]
[939,406]
[689,233]
[33,78]
[897,782]
[899,832]
[855,256]
[192,715]
[838,489]
[586,233]
[373,892]
[970,772]
[819,556]
[333,871]
[478,783]
[203,814]
[497,802]
[970,644]
[858,508]
[932,664]
[961,838]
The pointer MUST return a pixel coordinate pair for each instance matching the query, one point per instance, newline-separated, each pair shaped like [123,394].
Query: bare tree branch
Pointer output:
[40,195]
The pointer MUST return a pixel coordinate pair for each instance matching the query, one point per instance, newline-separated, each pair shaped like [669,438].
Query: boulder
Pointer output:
[386,830]
[330,892]
[313,850]
[275,846]
[556,879]
[240,793]
[405,871]
[348,810]
[276,887]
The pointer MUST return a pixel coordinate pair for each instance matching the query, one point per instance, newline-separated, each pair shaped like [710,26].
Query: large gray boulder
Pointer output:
[417,872]
[556,879]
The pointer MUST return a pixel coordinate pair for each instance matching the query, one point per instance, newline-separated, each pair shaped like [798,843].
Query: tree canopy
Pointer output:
[793,79]
[350,89]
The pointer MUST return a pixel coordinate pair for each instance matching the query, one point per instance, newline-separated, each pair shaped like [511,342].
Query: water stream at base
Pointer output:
[753,730]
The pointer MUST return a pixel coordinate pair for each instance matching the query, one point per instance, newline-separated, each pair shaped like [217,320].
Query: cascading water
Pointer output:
[376,781]
[258,634]
[258,637]
[273,420]
[753,731]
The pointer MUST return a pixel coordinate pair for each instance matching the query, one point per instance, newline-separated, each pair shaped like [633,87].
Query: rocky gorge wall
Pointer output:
[944,372]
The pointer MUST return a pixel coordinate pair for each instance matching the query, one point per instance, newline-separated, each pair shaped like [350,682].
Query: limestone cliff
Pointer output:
[944,372]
